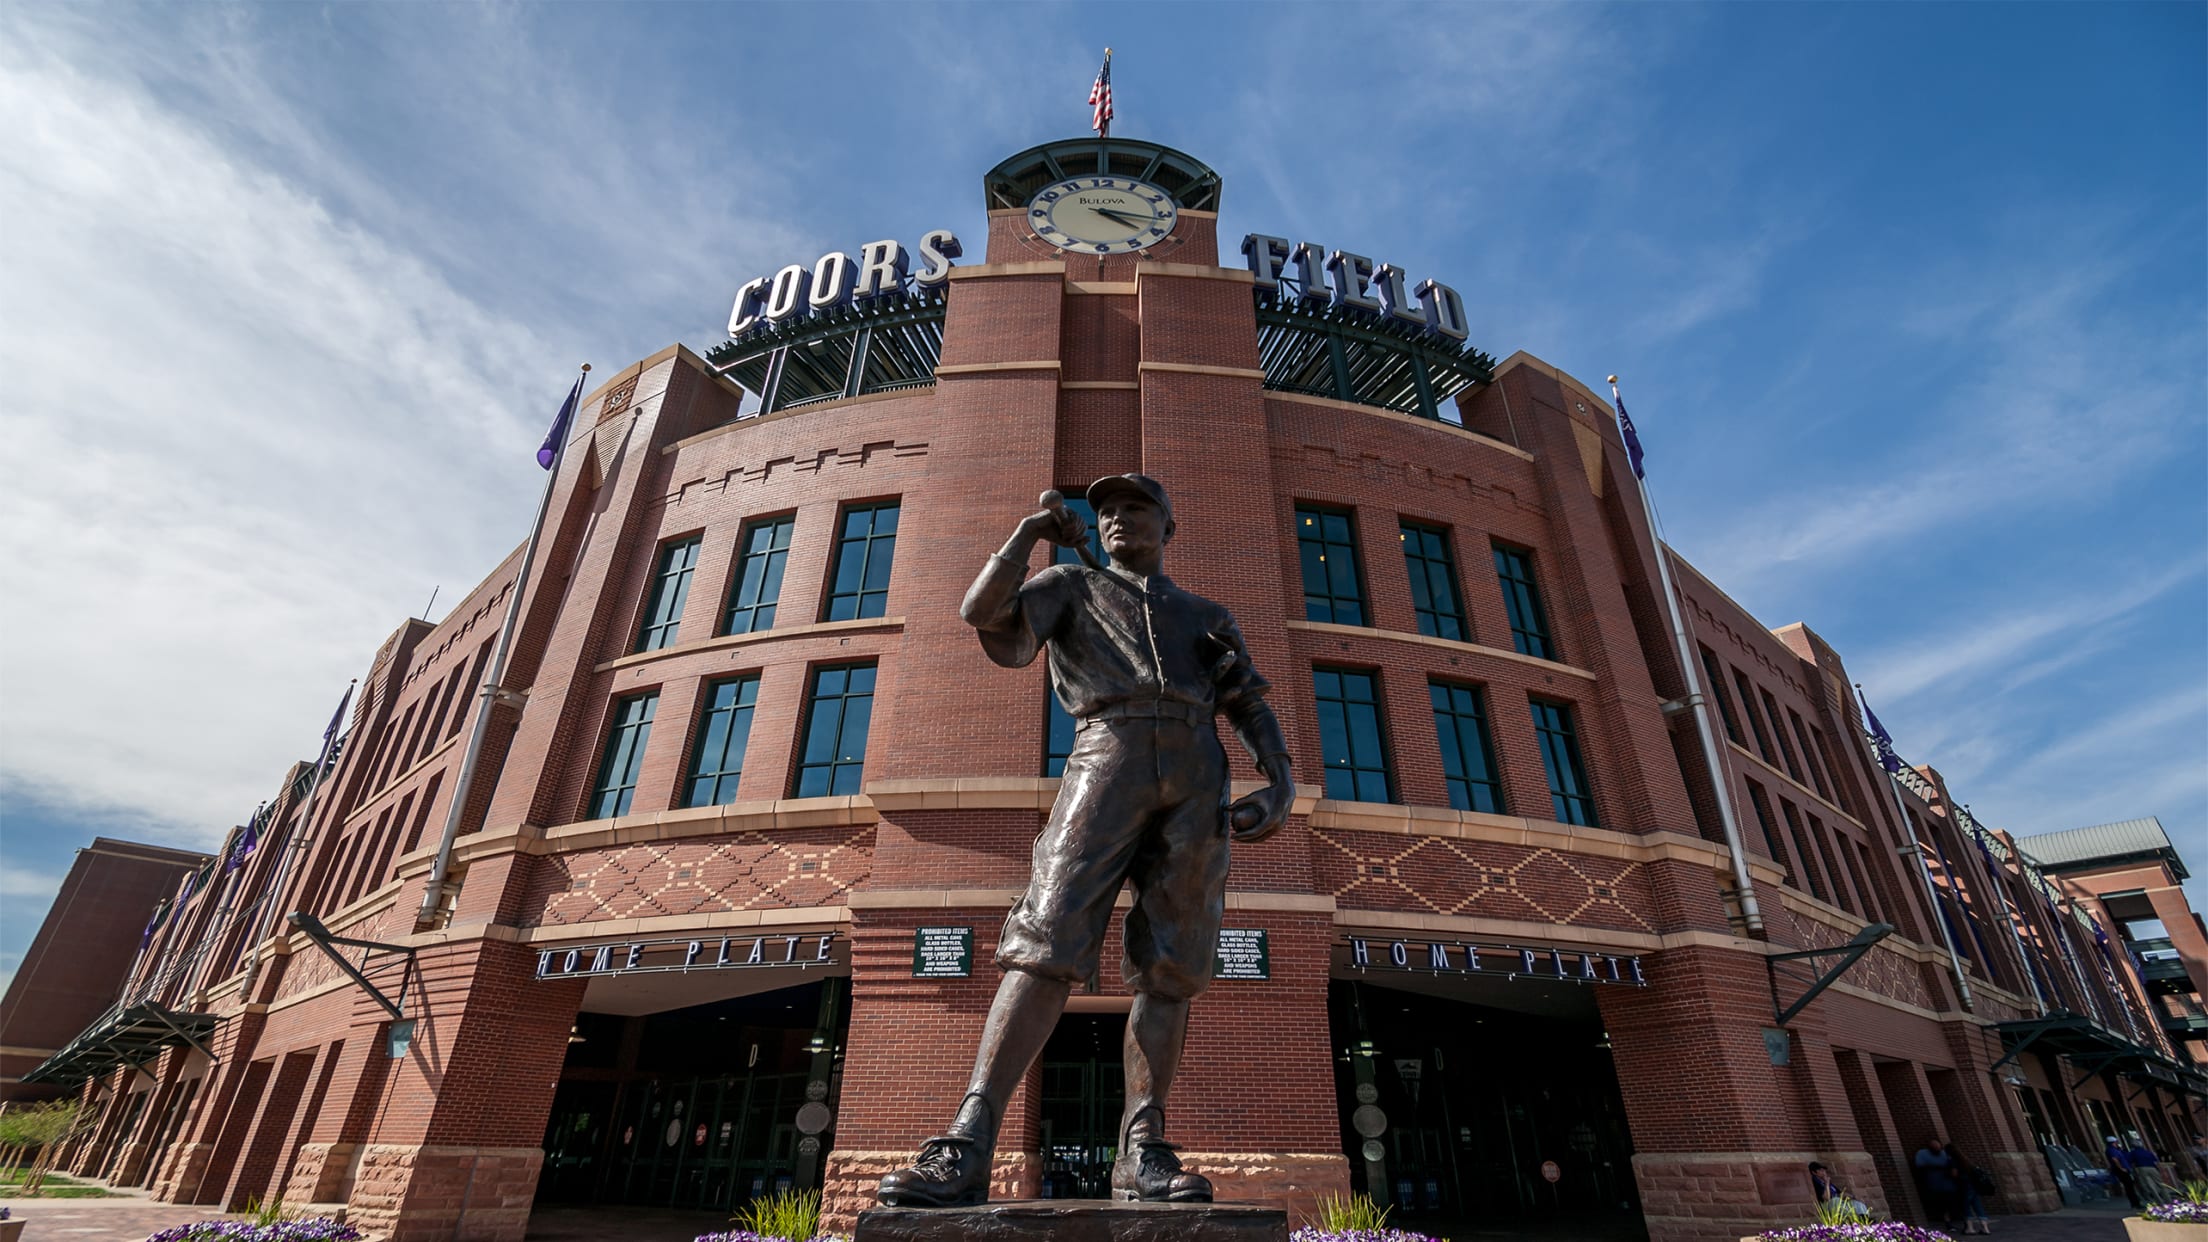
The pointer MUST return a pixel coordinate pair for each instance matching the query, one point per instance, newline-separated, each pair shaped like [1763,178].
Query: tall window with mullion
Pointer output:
[1332,588]
[617,772]
[1433,582]
[837,714]
[764,548]
[1569,792]
[670,590]
[1058,723]
[1467,754]
[1350,739]
[724,731]
[866,543]
[1529,622]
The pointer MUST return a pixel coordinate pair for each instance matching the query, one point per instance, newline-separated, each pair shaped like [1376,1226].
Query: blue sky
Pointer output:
[1909,302]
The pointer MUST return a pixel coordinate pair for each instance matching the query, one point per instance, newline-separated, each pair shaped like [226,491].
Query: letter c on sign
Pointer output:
[745,316]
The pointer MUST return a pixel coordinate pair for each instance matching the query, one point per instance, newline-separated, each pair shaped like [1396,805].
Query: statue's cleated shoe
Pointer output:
[1149,1172]
[951,1171]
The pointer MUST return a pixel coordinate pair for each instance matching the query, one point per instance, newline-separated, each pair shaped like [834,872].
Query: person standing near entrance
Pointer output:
[2146,1169]
[2119,1166]
[1144,667]
[1936,1175]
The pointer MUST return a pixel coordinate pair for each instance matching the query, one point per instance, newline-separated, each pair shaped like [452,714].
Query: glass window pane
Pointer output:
[859,580]
[1352,745]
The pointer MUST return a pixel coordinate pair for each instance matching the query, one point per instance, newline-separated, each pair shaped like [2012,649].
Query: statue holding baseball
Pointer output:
[1144,667]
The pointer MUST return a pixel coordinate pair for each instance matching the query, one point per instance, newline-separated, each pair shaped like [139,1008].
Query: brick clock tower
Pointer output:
[1065,360]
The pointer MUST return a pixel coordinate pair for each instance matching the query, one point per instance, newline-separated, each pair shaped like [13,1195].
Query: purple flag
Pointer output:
[1632,438]
[160,914]
[1887,759]
[247,839]
[329,735]
[555,438]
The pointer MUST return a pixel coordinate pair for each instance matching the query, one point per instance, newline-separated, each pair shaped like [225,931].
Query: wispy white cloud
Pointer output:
[24,883]
[2046,389]
[234,417]
[1999,640]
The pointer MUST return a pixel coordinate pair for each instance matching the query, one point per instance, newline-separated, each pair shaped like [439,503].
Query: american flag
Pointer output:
[1100,99]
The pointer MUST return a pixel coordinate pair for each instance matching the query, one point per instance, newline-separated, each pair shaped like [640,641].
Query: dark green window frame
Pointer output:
[1570,796]
[1801,846]
[1333,585]
[1778,728]
[1771,841]
[839,710]
[866,547]
[1352,736]
[763,553]
[670,591]
[1529,622]
[1716,680]
[724,734]
[1467,748]
[1433,572]
[1755,720]
[629,734]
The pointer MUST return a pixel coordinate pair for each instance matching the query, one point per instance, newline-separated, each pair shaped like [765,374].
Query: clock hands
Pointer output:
[1120,217]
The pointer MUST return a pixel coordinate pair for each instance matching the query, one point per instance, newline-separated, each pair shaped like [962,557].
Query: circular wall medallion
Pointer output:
[816,1090]
[1374,1149]
[1367,1093]
[1369,1121]
[813,1118]
[808,1145]
[1550,1171]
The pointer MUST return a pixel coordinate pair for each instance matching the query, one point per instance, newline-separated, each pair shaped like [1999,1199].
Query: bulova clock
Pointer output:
[1101,215]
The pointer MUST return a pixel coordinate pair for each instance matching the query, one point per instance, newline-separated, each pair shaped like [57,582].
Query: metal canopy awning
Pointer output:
[2095,1049]
[124,1036]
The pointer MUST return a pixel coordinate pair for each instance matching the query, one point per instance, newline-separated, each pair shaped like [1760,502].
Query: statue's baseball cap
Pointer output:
[1130,484]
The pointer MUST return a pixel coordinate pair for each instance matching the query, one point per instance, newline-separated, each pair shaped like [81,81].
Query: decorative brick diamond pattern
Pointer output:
[802,868]
[1480,879]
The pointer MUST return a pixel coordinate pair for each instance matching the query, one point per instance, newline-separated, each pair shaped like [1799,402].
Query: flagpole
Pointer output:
[2008,915]
[1750,914]
[295,847]
[1924,869]
[488,693]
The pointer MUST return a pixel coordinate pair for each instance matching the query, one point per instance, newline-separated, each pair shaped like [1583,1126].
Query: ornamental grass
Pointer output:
[2190,1210]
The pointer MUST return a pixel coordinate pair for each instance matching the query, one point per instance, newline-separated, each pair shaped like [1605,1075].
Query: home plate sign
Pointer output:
[648,957]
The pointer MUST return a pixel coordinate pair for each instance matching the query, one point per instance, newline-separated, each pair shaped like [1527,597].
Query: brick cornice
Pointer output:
[810,630]
[1424,424]
[1446,644]
[1189,368]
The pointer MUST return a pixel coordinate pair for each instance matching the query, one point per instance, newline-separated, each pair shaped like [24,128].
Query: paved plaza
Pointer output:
[132,1217]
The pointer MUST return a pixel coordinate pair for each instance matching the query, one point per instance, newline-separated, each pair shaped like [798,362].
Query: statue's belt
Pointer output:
[1148,709]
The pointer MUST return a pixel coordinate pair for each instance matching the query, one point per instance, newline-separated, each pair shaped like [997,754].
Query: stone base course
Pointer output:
[406,1193]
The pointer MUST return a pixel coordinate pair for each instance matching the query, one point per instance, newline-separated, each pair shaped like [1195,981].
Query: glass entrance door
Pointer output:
[709,1142]
[1084,1092]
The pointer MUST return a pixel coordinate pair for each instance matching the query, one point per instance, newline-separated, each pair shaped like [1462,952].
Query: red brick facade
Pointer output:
[1055,370]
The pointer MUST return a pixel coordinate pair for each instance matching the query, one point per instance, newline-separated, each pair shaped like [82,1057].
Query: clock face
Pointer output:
[1101,215]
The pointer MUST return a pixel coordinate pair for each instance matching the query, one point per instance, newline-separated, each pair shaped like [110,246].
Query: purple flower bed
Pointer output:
[319,1229]
[1314,1234]
[746,1235]
[1882,1232]
[2182,1212]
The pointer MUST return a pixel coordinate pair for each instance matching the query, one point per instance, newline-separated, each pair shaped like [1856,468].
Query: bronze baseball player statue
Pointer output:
[1143,666]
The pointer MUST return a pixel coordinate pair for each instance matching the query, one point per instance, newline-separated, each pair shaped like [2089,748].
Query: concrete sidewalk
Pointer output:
[129,1217]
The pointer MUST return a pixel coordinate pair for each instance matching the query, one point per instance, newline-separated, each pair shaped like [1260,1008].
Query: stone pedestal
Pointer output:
[1071,1220]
